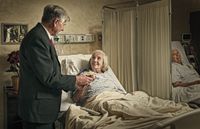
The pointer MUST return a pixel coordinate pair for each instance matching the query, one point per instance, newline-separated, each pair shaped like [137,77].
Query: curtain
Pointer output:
[154,49]
[119,41]
[137,42]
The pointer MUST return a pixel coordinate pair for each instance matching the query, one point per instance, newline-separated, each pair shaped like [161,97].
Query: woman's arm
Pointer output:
[186,84]
[79,94]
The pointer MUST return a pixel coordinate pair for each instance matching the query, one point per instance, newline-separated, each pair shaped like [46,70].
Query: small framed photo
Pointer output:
[13,33]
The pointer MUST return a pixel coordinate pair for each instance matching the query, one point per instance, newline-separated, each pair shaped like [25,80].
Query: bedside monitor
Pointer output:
[186,37]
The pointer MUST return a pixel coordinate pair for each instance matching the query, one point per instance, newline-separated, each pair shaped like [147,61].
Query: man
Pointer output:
[41,81]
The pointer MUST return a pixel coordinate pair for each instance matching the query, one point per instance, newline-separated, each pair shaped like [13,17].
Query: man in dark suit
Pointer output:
[41,81]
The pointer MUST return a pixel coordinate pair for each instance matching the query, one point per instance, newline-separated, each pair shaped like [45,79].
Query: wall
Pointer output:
[85,17]
[180,16]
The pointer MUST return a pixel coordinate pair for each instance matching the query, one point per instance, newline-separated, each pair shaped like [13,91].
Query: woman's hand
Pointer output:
[186,84]
[178,84]
[90,74]
[197,82]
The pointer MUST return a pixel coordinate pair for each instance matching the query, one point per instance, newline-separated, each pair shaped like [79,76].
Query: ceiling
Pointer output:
[129,3]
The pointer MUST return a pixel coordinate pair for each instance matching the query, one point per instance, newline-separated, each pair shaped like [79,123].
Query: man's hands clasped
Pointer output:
[82,81]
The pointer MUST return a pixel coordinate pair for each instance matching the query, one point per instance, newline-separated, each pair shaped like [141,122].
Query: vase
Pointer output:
[15,83]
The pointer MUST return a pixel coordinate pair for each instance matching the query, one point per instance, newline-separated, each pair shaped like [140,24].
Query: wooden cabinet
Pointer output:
[11,118]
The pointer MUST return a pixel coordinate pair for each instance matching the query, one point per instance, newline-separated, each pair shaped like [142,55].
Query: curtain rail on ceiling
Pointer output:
[133,3]
[119,5]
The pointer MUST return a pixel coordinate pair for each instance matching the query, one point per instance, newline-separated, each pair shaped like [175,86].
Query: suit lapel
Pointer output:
[46,37]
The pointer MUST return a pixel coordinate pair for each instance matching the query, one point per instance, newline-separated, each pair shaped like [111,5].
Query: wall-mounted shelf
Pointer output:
[74,38]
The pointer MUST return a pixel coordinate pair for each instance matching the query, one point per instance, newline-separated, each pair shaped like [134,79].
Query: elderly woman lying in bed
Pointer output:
[117,109]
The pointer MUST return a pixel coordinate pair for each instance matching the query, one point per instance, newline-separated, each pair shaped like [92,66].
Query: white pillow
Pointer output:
[177,45]
[71,65]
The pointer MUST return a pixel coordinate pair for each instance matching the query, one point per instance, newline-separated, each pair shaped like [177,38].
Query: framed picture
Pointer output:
[13,33]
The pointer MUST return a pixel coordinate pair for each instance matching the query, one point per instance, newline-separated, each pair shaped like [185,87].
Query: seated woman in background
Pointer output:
[185,79]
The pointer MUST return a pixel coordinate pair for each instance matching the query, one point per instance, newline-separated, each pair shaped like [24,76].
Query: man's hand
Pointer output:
[83,80]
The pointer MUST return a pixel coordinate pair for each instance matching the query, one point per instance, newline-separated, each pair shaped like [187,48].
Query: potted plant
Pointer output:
[13,59]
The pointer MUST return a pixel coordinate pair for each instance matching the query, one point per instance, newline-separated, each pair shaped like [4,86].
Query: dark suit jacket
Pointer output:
[41,81]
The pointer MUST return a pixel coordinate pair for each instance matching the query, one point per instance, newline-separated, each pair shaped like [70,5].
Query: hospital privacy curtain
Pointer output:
[137,42]
[119,44]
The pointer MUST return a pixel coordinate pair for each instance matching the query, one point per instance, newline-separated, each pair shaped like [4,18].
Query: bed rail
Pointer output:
[171,122]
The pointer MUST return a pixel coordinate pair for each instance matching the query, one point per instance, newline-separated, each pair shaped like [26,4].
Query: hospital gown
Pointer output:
[185,73]
[103,82]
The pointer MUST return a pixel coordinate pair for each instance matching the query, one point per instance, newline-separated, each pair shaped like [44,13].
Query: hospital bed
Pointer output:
[73,64]
[175,91]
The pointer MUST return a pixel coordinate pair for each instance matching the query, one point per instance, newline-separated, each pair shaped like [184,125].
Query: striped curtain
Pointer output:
[137,42]
[119,40]
[154,49]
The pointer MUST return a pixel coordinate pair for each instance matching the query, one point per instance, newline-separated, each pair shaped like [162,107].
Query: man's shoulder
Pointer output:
[37,28]
[36,32]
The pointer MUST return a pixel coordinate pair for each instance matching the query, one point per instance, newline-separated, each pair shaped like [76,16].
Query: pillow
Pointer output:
[71,65]
[177,45]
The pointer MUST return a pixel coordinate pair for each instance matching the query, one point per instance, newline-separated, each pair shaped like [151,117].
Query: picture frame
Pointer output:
[13,33]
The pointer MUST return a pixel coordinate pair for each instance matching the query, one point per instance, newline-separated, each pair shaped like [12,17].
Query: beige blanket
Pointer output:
[135,110]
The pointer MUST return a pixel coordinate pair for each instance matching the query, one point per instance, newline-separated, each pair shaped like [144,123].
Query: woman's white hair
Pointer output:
[105,60]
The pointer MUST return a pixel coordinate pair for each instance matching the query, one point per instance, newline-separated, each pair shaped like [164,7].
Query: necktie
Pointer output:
[51,42]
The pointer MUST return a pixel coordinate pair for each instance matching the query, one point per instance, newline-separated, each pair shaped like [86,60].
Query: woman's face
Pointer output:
[176,57]
[96,62]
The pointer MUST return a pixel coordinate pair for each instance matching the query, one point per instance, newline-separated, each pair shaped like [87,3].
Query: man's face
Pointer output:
[58,26]
[176,56]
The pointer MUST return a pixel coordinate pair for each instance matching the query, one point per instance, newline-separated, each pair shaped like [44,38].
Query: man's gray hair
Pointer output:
[54,11]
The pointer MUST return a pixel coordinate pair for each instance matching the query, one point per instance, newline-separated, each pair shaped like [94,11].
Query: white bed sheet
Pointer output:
[136,110]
